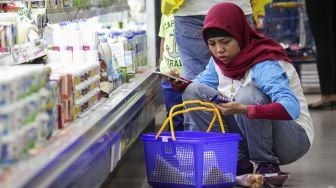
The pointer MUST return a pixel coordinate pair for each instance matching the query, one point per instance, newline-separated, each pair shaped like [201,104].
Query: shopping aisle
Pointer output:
[316,170]
[132,172]
[132,168]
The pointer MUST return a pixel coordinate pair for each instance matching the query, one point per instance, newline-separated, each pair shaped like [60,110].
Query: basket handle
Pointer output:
[206,107]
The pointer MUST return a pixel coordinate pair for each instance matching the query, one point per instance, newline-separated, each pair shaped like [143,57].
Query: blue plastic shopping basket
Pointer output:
[191,159]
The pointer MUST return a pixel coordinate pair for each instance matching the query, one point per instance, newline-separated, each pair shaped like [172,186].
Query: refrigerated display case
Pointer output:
[86,152]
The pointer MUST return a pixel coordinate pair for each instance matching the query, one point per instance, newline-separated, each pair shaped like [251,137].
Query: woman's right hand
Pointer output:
[178,84]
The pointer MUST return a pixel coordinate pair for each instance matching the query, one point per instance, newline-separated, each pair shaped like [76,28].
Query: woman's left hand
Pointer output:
[231,108]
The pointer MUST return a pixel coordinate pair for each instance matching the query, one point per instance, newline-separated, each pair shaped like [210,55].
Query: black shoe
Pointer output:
[331,105]
[244,166]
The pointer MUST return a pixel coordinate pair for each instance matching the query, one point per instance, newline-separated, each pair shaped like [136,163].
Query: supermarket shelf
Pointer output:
[22,53]
[288,4]
[309,76]
[6,59]
[29,54]
[12,1]
[74,13]
[46,164]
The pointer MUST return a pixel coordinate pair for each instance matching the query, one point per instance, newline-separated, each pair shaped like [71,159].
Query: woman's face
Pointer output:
[224,48]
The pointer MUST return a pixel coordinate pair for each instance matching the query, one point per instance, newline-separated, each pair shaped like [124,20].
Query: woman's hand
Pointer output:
[178,84]
[231,108]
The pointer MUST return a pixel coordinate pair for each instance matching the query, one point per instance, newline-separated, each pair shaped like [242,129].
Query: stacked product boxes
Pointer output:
[27,110]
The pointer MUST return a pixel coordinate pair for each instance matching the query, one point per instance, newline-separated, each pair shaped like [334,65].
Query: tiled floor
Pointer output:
[317,169]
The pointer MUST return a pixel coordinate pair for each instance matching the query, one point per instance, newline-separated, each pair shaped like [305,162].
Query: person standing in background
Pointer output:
[170,63]
[322,20]
[188,33]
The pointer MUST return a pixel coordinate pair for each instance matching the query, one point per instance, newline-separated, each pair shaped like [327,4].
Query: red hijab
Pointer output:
[254,48]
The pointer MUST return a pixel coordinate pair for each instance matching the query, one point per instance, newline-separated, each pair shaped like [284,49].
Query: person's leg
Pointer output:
[171,98]
[198,91]
[192,49]
[322,20]
[270,143]
[275,142]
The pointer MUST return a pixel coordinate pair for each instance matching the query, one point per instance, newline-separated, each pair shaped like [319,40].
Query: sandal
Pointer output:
[250,180]
[330,105]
